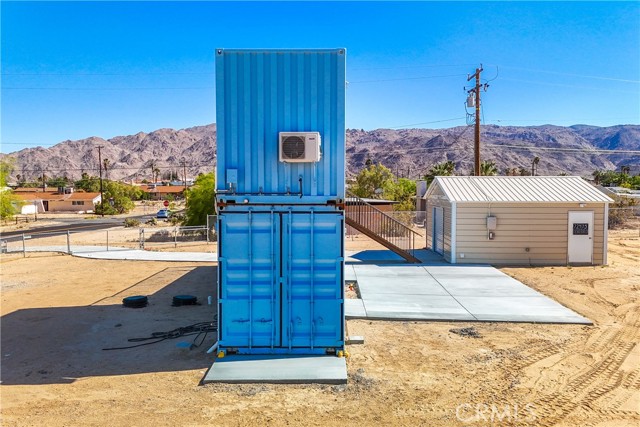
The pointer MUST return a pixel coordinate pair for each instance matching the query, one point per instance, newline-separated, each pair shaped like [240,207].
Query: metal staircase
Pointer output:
[380,227]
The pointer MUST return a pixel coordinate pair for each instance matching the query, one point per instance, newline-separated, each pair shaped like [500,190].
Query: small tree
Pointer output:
[402,191]
[371,181]
[8,201]
[200,200]
[118,198]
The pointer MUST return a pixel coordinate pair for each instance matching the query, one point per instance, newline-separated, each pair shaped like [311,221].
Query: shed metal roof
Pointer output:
[518,189]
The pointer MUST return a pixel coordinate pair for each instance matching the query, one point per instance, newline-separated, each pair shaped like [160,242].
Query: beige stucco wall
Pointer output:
[437,199]
[68,206]
[540,227]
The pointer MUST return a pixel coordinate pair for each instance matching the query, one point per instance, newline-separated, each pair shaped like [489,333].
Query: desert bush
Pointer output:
[131,222]
[621,212]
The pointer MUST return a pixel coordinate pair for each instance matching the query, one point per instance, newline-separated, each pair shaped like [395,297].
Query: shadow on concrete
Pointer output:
[59,345]
[384,257]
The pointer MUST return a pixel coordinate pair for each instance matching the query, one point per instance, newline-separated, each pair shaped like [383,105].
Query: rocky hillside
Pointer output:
[408,152]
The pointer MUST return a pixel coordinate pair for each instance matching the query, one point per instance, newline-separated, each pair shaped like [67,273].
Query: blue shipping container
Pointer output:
[260,93]
[281,223]
[280,288]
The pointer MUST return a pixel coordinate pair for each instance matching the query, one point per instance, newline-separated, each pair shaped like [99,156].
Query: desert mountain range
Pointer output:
[408,152]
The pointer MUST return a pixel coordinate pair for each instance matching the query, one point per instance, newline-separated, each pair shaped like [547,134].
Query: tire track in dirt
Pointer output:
[588,386]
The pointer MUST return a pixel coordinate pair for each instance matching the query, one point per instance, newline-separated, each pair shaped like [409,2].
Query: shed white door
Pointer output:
[438,230]
[580,236]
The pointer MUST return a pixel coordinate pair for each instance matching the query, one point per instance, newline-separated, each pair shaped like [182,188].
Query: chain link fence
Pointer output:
[199,238]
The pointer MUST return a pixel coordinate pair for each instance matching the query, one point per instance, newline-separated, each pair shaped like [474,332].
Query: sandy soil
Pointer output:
[58,312]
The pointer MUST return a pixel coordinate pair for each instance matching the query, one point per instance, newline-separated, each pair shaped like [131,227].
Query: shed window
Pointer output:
[77,202]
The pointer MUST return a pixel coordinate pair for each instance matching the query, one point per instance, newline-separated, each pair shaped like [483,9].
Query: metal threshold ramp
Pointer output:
[242,369]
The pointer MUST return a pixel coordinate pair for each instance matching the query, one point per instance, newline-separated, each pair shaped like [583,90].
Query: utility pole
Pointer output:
[101,188]
[44,183]
[476,92]
[184,170]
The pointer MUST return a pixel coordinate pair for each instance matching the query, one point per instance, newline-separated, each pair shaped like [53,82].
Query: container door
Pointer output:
[438,230]
[580,237]
[312,259]
[249,287]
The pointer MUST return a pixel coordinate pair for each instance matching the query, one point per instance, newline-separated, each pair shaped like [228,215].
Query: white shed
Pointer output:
[533,220]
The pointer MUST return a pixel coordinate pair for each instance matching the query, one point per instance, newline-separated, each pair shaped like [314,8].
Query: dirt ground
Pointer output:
[59,312]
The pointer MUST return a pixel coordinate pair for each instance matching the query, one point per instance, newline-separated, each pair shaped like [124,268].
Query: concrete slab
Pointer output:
[485,286]
[537,309]
[354,309]
[397,280]
[425,307]
[278,370]
[349,273]
[451,292]
[118,253]
[372,256]
[472,269]
[140,255]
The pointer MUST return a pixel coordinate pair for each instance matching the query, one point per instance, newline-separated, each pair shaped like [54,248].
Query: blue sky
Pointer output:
[74,70]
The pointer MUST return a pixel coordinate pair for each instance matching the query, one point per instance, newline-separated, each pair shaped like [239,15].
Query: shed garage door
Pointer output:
[438,230]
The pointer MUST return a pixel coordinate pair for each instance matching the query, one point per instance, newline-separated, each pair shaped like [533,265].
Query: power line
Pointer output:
[208,87]
[572,150]
[568,86]
[614,79]
[426,123]
[91,168]
[523,147]
[406,78]
[181,73]
[111,74]
[412,66]
[110,88]
[565,120]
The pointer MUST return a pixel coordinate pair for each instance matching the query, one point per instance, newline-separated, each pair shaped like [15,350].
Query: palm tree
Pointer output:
[156,173]
[597,176]
[534,165]
[488,168]
[440,169]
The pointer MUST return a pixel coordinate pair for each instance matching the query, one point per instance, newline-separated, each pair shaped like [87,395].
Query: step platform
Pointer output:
[278,369]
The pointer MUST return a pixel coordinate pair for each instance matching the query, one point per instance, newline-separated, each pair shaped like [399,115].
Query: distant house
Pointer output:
[35,197]
[75,202]
[56,201]
[161,192]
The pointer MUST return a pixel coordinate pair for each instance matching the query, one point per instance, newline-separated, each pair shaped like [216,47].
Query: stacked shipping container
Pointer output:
[281,224]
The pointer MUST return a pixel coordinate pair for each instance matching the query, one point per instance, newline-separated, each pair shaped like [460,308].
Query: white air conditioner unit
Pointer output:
[299,147]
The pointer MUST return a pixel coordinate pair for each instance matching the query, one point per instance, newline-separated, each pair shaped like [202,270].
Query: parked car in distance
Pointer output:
[163,213]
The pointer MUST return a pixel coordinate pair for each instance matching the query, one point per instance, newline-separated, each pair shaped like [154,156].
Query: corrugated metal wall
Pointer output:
[263,92]
[281,250]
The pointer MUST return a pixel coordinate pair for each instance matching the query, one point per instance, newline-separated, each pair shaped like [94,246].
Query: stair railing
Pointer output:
[379,223]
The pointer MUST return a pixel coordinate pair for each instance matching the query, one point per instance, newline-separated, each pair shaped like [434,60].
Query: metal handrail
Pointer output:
[381,224]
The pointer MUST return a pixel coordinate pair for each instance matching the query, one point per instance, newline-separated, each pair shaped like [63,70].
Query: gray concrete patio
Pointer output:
[442,291]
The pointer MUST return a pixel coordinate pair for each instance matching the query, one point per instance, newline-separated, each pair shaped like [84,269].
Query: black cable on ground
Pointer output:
[197,329]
